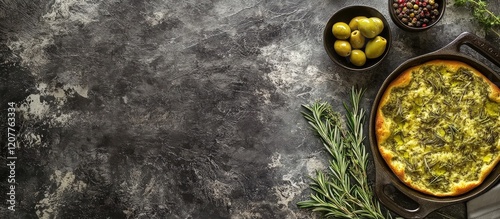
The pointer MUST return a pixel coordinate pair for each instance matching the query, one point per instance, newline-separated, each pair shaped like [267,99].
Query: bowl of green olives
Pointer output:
[416,15]
[357,37]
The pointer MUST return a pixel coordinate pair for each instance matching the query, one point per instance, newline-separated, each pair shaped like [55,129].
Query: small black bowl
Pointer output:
[345,15]
[394,16]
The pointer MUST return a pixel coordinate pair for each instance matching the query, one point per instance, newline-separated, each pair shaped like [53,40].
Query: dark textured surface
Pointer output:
[177,109]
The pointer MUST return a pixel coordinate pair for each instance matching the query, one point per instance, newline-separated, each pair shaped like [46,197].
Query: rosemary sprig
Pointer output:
[480,12]
[334,194]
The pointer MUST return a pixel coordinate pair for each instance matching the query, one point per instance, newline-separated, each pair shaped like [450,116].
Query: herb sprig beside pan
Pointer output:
[334,194]
[481,13]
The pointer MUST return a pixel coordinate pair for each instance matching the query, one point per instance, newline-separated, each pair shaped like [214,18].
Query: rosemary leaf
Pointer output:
[334,195]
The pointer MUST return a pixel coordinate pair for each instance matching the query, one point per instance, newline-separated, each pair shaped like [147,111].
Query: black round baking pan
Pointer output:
[384,175]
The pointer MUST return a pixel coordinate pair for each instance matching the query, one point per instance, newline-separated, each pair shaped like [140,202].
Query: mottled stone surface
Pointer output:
[177,109]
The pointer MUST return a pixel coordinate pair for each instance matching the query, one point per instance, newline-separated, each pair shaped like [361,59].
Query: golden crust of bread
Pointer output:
[383,132]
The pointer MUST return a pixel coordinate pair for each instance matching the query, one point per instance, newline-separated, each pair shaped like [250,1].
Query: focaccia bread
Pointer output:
[438,127]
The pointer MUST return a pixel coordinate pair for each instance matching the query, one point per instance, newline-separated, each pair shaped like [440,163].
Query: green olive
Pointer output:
[379,23]
[368,28]
[357,57]
[341,30]
[375,47]
[342,47]
[357,40]
[353,24]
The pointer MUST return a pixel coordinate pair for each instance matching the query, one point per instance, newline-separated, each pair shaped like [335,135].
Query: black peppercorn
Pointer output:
[416,13]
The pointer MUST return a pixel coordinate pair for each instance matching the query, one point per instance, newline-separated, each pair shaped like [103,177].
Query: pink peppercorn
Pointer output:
[416,13]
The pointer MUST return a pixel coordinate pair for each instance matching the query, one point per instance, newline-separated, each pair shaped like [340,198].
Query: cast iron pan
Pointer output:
[384,175]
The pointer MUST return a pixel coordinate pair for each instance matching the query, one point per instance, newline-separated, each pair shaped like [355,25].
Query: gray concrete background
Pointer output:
[179,109]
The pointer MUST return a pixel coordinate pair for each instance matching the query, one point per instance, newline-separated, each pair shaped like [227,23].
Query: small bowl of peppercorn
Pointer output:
[416,15]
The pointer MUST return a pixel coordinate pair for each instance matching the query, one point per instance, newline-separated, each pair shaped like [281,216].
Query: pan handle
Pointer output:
[480,45]
[424,206]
